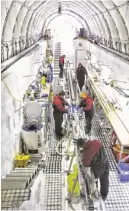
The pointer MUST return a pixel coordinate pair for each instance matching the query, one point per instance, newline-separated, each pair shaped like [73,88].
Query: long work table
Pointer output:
[119,123]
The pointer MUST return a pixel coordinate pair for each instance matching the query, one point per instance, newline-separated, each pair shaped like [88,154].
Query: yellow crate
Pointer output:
[21,161]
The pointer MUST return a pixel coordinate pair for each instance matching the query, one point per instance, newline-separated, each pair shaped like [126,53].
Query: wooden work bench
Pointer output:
[113,115]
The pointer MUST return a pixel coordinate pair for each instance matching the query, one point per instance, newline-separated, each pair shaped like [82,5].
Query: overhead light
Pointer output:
[59,9]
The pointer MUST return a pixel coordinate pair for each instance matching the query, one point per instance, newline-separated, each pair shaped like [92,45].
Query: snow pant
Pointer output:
[61,66]
[81,84]
[101,171]
[89,116]
[58,117]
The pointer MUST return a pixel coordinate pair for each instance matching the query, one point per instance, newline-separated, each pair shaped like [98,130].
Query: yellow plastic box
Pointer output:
[21,161]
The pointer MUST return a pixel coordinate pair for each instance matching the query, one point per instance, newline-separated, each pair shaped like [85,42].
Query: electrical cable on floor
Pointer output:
[71,206]
[65,154]
[59,143]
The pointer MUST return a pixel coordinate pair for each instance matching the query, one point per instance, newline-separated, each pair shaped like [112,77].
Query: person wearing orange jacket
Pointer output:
[87,105]
[61,65]
[94,156]
[59,104]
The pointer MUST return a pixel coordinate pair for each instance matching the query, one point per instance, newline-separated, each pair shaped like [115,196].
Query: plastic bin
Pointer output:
[70,182]
[123,169]
[21,161]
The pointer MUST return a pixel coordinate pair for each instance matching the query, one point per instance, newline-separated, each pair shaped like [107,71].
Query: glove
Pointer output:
[66,111]
[66,107]
[81,109]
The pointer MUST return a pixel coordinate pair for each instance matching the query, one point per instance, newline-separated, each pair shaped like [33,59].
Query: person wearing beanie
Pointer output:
[93,155]
[59,104]
[87,105]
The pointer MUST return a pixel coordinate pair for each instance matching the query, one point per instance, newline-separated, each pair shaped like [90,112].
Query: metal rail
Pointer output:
[70,84]
[11,61]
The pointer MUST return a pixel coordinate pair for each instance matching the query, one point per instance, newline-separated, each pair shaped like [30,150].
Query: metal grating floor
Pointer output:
[53,179]
[57,52]
[53,170]
[118,197]
[12,199]
[53,189]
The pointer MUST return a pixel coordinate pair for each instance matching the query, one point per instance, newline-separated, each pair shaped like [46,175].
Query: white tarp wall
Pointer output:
[80,52]
[11,121]
[119,67]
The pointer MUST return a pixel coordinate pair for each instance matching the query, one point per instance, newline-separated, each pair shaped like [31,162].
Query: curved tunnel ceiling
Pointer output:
[27,18]
[78,20]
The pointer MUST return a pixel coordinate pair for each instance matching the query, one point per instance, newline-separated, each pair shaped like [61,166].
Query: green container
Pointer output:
[70,181]
[43,81]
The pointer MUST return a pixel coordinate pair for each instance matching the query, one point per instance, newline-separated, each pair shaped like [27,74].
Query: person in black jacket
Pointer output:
[93,155]
[81,72]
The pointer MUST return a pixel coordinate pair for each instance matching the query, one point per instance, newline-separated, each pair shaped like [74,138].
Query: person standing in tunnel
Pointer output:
[61,65]
[59,104]
[81,73]
[93,155]
[87,105]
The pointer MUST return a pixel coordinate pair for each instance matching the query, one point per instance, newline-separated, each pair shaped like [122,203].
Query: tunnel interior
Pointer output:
[23,22]
[23,51]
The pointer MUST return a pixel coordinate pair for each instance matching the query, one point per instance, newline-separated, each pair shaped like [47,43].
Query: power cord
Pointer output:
[11,93]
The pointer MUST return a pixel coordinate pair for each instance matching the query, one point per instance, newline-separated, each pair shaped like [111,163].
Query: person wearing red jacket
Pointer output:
[87,105]
[61,65]
[93,155]
[59,104]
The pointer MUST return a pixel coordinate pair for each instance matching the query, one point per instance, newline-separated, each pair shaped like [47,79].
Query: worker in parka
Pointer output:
[59,104]
[93,155]
[81,73]
[61,65]
[87,105]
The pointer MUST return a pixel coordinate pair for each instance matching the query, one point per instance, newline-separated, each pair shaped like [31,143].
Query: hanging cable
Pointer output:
[21,100]
[11,93]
